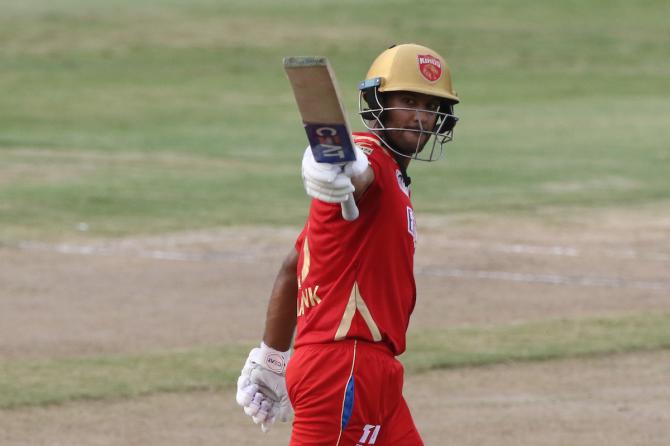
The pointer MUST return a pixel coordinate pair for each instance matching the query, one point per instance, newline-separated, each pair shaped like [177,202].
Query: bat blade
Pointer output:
[315,89]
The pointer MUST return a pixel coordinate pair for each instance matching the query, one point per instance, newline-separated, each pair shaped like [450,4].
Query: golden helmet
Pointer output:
[411,67]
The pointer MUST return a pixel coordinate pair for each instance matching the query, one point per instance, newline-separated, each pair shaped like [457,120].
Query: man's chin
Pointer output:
[412,146]
[408,143]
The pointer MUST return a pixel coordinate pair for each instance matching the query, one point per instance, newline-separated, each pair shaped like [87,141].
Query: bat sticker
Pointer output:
[330,143]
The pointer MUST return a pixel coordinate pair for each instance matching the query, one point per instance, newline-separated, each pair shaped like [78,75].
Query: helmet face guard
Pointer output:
[415,69]
[371,109]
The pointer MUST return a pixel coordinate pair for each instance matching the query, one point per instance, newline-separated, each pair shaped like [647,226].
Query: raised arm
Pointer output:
[362,181]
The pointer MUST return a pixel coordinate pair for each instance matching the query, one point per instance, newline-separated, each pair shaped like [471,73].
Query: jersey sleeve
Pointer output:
[373,153]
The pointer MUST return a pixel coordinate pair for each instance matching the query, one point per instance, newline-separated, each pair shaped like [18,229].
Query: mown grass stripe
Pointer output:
[60,380]
[537,341]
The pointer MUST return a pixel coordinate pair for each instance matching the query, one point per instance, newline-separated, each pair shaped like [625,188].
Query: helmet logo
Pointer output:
[429,66]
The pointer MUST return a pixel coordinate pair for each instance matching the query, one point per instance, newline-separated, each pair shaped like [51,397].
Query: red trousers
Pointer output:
[348,393]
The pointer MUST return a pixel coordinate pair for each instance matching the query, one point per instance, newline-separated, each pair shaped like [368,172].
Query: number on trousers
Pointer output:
[367,430]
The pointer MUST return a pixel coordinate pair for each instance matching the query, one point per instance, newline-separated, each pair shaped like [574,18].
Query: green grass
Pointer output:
[56,381]
[537,341]
[565,104]
[61,380]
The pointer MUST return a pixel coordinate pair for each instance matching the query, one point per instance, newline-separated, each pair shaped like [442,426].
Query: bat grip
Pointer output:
[349,209]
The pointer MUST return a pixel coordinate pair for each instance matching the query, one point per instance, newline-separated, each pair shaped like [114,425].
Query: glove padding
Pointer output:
[331,182]
[261,387]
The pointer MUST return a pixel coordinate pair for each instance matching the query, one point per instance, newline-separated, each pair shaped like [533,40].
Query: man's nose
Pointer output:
[423,117]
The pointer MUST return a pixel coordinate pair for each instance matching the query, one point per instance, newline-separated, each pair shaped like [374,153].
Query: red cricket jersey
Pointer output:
[356,279]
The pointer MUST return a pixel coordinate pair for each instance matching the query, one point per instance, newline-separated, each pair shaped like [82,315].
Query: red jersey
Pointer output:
[356,279]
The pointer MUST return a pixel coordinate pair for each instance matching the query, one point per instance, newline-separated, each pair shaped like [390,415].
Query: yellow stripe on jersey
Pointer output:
[364,138]
[356,302]
[305,260]
[348,316]
[367,317]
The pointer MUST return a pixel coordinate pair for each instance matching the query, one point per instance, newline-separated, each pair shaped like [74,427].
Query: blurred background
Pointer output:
[161,115]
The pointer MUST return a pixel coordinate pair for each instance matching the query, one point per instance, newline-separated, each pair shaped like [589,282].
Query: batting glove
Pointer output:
[261,387]
[331,182]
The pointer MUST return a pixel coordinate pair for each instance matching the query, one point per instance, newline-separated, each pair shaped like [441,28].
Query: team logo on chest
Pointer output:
[411,223]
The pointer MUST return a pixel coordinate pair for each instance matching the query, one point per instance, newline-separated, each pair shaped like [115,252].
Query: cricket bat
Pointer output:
[315,90]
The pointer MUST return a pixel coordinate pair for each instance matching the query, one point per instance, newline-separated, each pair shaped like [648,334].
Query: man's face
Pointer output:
[415,116]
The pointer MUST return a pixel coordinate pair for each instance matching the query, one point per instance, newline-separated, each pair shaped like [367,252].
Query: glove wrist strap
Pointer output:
[271,359]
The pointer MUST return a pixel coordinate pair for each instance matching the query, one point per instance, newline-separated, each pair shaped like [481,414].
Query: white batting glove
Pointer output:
[331,182]
[261,387]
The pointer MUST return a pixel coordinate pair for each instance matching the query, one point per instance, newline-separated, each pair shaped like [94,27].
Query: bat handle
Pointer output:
[349,209]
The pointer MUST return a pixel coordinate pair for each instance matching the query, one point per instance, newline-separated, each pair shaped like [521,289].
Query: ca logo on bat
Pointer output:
[330,143]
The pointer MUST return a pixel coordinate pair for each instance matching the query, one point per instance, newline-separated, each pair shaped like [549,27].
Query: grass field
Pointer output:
[138,120]
[152,116]
[55,381]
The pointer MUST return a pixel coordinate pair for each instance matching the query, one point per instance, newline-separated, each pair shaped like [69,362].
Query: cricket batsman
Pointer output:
[347,288]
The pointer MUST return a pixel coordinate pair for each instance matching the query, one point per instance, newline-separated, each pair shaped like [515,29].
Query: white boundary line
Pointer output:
[509,248]
[109,250]
[555,250]
[250,257]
